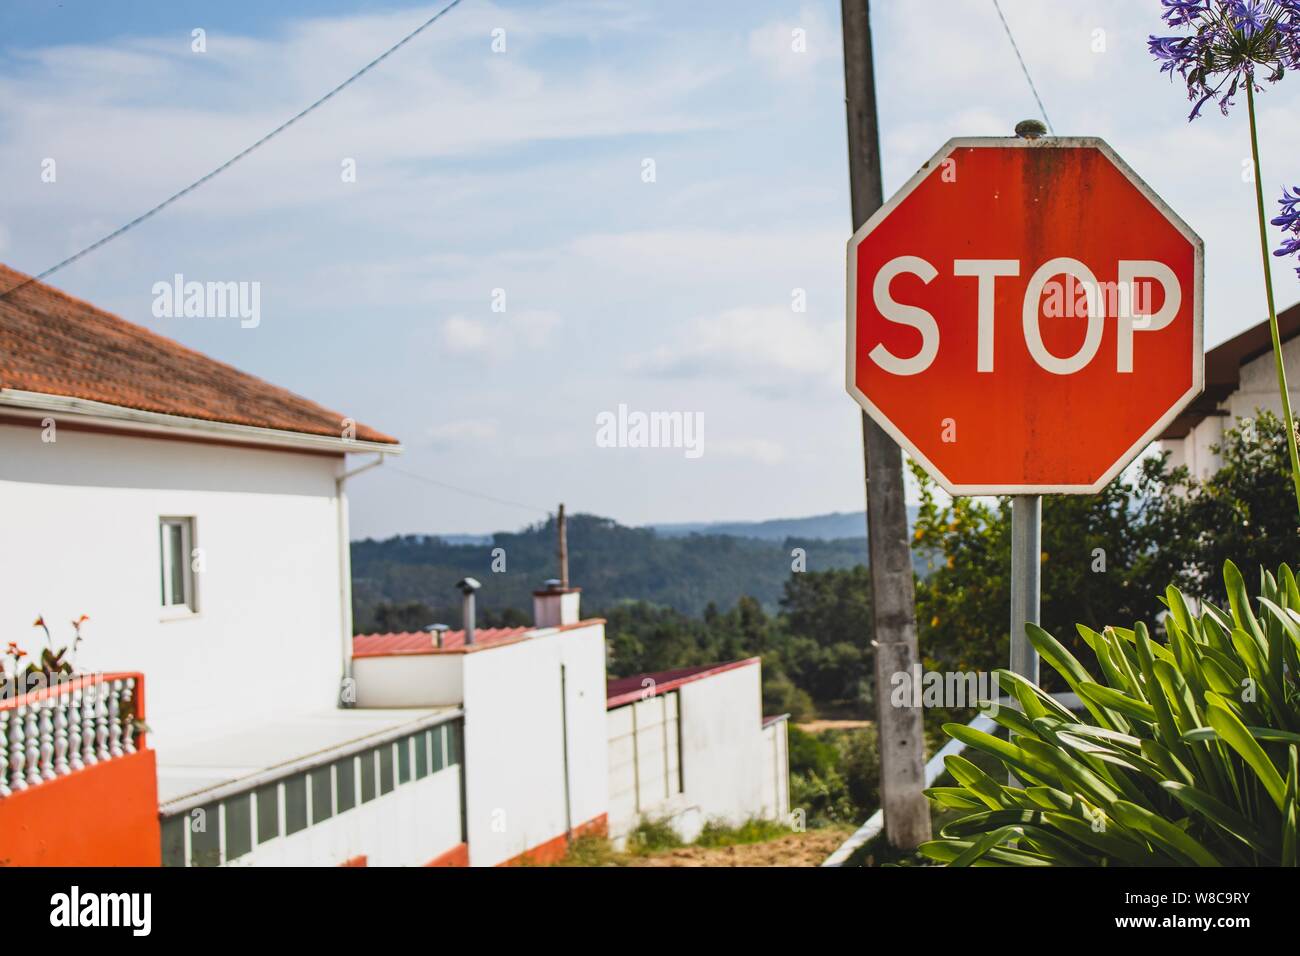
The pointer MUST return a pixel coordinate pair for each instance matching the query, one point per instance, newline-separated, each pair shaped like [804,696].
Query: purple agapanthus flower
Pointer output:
[1290,223]
[1227,42]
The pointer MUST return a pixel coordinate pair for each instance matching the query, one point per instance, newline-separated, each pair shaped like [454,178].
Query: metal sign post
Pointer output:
[1026,581]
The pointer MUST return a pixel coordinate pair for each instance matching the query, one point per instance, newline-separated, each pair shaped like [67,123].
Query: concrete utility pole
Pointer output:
[900,729]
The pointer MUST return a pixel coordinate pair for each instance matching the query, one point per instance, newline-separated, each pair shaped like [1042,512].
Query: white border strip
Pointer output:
[119,416]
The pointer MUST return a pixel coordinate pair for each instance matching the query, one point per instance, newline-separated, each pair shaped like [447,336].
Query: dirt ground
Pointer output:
[797,849]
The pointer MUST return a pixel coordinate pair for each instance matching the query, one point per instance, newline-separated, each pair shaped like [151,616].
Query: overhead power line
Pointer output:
[238,156]
[1024,69]
[467,491]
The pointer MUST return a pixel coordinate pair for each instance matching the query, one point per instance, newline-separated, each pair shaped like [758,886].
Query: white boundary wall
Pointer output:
[731,767]
[514,740]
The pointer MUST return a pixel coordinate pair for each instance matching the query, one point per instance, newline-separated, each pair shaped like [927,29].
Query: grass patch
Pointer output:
[751,831]
[592,850]
[657,836]
[653,835]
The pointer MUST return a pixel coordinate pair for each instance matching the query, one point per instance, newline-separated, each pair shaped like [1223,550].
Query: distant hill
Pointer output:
[828,527]
[612,563]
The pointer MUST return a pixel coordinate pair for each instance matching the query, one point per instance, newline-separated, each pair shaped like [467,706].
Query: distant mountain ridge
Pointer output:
[409,580]
[828,527]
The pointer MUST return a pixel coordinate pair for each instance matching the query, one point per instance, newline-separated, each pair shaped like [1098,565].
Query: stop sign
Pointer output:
[1024,316]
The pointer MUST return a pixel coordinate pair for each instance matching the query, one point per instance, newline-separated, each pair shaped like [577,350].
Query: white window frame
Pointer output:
[188,603]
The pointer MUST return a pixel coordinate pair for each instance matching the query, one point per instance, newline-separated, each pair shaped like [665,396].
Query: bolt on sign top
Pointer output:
[1024,316]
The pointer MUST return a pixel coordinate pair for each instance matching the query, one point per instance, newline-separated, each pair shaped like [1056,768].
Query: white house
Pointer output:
[1240,378]
[196,514]
[199,516]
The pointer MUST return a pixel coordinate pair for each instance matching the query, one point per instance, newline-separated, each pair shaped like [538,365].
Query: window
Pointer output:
[295,804]
[268,813]
[176,537]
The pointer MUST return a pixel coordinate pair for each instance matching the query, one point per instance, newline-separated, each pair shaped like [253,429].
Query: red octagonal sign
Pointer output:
[1024,316]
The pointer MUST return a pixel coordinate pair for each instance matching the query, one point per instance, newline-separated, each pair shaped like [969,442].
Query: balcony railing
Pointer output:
[73,723]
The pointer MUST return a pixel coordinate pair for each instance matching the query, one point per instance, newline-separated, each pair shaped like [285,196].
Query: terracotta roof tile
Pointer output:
[421,642]
[55,344]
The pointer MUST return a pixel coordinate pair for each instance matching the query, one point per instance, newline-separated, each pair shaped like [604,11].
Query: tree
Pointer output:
[1106,557]
[1245,511]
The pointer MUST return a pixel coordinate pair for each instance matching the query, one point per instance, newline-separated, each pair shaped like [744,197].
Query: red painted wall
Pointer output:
[456,856]
[104,815]
[554,850]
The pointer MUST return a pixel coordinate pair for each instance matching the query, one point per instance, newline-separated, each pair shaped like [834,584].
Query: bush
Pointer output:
[811,753]
[1189,758]
[651,835]
[861,768]
[835,775]
[781,696]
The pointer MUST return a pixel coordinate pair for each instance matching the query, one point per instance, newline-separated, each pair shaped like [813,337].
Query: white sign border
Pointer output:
[1047,142]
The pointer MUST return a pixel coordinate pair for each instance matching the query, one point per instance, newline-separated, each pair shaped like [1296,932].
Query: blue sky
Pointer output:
[522,171]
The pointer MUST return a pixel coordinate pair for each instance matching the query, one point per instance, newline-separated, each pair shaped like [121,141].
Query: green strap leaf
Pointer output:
[1163,832]
[1113,699]
[1233,732]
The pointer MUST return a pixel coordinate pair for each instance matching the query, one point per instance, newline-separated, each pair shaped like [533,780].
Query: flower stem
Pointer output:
[1268,288]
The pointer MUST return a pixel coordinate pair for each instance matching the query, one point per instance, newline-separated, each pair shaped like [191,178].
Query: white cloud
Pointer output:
[794,47]
[762,450]
[755,342]
[533,327]
[460,334]
[500,333]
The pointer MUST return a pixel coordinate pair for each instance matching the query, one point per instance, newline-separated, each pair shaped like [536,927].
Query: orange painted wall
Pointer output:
[456,856]
[553,850]
[104,815]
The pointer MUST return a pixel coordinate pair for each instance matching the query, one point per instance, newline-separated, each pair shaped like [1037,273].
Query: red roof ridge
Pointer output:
[626,690]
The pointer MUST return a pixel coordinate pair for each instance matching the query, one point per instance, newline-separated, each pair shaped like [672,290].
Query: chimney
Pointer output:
[438,631]
[467,588]
[555,605]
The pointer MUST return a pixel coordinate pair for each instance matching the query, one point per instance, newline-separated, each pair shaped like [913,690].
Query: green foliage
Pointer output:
[808,659]
[811,753]
[834,775]
[590,849]
[1246,511]
[1107,556]
[781,696]
[651,835]
[753,830]
[1189,755]
[860,765]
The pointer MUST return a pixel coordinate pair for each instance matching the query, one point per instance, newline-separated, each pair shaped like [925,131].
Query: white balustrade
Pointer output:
[65,729]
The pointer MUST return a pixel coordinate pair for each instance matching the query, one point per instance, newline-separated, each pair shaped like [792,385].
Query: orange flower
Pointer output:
[39,622]
[81,620]
[15,651]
